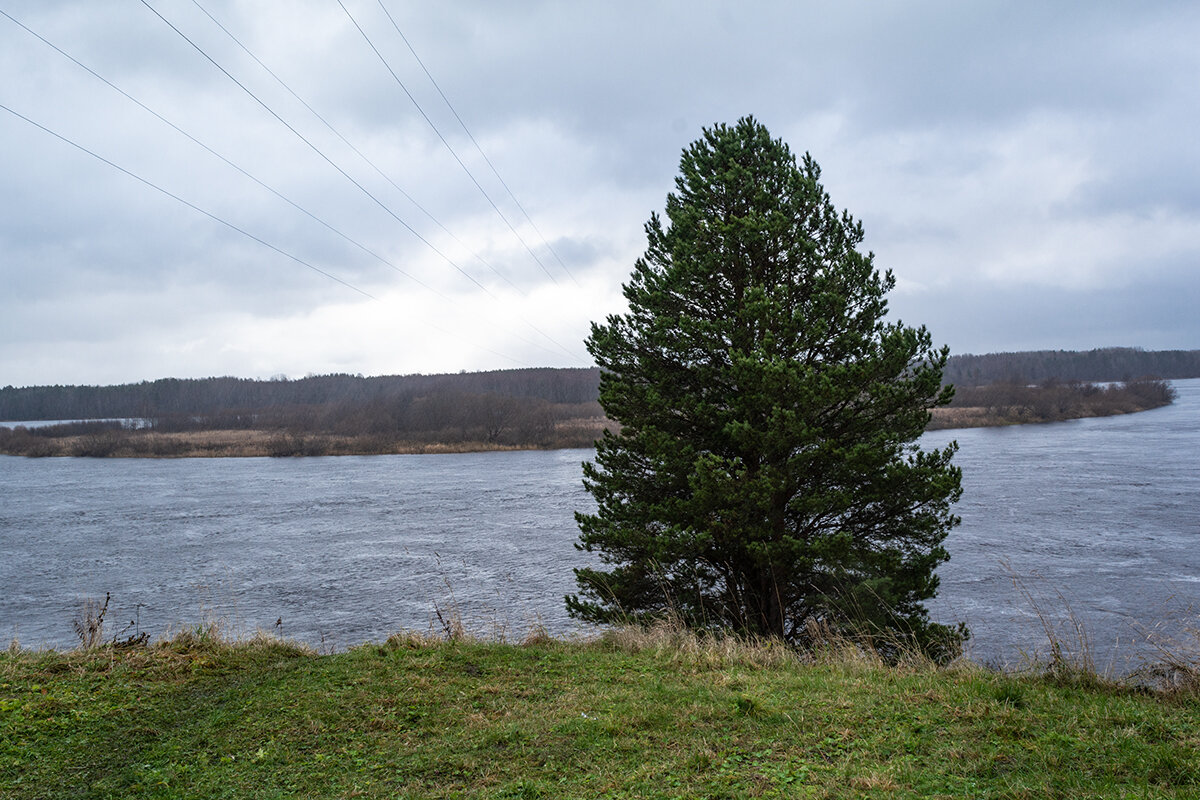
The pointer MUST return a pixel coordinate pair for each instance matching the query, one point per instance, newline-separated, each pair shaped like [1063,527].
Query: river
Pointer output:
[1093,520]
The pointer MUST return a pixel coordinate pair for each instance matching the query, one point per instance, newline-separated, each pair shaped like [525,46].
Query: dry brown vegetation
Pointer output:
[117,442]
[1011,403]
[476,423]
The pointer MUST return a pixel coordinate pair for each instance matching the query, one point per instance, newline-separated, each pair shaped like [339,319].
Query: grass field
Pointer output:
[632,715]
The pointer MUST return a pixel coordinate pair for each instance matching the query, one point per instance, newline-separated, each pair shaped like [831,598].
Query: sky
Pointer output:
[258,188]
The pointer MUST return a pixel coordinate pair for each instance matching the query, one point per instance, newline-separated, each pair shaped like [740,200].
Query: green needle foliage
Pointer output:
[765,476]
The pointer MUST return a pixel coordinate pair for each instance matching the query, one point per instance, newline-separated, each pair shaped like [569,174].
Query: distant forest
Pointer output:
[349,413]
[1097,366]
[225,397]
[500,407]
[177,402]
[539,408]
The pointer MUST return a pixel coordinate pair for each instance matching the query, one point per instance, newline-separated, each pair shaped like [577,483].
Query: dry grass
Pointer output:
[672,641]
[1175,665]
[962,417]
[981,417]
[568,433]
[89,622]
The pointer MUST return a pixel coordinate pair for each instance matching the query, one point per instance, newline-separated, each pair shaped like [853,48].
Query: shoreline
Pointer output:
[569,434]
[963,417]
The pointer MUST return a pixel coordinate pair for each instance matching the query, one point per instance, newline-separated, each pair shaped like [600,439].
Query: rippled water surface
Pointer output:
[1097,519]
[341,549]
[1098,516]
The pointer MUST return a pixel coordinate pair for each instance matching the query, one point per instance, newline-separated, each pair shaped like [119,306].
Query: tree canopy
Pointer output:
[765,476]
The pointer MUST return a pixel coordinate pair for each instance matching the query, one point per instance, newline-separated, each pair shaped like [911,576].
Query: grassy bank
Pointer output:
[629,716]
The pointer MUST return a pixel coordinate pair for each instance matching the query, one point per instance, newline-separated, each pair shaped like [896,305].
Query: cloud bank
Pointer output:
[1025,169]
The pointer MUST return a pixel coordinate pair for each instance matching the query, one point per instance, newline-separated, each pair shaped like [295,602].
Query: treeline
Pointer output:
[327,414]
[234,397]
[444,420]
[445,415]
[1054,397]
[1102,365]
[448,421]
[507,408]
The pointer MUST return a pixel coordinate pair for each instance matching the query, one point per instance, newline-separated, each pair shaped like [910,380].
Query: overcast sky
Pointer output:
[1029,171]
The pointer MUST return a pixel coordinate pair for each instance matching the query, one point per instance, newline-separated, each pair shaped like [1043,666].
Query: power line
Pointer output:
[190,205]
[328,125]
[348,177]
[470,136]
[256,180]
[242,231]
[467,170]
[349,144]
[318,151]
[196,141]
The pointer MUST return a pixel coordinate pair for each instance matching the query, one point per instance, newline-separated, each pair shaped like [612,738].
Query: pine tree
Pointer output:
[765,476]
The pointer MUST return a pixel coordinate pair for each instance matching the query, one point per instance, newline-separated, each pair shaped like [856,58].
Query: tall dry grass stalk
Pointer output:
[89,622]
[1175,665]
[670,638]
[1172,665]
[1071,654]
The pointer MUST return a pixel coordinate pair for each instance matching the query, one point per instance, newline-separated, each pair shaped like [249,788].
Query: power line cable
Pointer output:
[467,170]
[350,145]
[242,231]
[262,184]
[269,188]
[470,136]
[187,203]
[328,125]
[318,151]
[201,144]
[345,174]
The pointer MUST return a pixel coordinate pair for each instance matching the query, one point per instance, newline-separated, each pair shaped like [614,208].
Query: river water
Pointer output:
[1092,520]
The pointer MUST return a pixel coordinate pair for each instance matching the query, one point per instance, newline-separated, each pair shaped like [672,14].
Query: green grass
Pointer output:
[622,717]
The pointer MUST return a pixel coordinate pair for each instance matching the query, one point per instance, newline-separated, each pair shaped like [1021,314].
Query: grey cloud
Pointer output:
[979,318]
[581,253]
[962,134]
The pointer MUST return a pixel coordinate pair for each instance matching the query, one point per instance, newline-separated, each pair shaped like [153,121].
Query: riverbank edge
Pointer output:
[632,713]
[574,434]
[963,417]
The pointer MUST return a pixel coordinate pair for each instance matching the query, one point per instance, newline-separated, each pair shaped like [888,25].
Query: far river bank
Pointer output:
[995,405]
